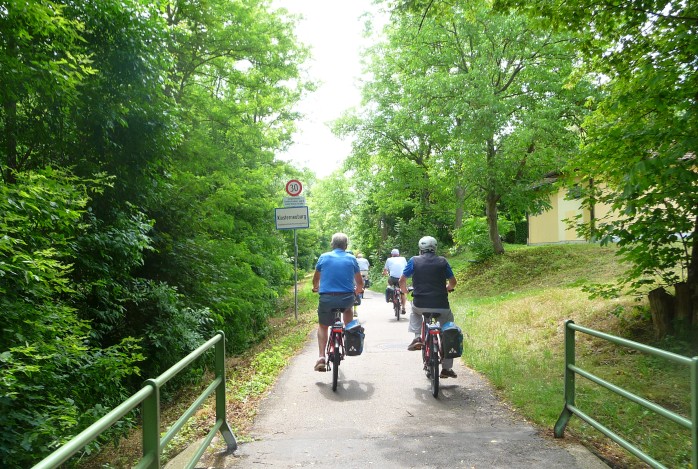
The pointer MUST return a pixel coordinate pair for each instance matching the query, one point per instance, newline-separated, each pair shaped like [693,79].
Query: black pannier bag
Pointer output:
[354,338]
[389,294]
[451,340]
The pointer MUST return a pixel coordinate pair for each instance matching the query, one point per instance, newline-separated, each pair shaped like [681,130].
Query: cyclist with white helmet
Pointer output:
[432,280]
[394,265]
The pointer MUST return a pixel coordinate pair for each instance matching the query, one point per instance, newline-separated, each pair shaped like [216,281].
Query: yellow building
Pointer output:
[550,226]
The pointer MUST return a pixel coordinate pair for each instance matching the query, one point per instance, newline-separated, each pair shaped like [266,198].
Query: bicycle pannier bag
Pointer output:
[389,294]
[354,338]
[452,340]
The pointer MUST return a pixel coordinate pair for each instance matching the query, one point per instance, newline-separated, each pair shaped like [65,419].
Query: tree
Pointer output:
[640,141]
[42,65]
[177,113]
[472,98]
[52,376]
[235,76]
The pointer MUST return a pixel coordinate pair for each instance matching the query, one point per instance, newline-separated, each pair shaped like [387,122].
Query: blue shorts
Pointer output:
[329,302]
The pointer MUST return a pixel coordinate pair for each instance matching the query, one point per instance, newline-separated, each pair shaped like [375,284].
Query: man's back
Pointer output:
[429,280]
[363,263]
[338,268]
[395,265]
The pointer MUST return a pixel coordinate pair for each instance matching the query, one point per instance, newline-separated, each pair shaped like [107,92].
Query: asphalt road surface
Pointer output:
[383,414]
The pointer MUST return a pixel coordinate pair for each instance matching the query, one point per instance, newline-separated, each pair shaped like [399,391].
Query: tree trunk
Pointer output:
[684,310]
[692,275]
[491,211]
[662,306]
[460,198]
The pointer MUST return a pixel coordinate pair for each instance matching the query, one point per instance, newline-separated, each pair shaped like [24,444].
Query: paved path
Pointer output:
[383,415]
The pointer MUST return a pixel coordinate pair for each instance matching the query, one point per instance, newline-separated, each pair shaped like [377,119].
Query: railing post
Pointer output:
[694,412]
[220,395]
[569,380]
[151,427]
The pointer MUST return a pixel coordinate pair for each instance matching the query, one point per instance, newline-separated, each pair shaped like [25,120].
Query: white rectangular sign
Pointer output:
[291,218]
[294,201]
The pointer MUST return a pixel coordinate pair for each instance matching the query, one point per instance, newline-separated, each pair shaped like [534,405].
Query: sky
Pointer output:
[333,31]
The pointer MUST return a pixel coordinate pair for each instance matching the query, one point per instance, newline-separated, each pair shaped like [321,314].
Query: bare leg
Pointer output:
[322,334]
[348,315]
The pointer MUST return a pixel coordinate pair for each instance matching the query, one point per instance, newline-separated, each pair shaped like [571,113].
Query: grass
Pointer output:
[512,310]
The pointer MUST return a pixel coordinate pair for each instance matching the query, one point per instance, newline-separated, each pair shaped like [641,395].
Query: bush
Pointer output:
[52,380]
[474,236]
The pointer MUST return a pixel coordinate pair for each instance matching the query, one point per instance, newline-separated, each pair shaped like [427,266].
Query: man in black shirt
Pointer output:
[432,280]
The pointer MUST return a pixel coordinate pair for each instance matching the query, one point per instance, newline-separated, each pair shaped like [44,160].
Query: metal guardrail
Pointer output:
[571,370]
[149,395]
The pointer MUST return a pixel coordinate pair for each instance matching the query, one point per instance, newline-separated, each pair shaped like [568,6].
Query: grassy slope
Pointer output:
[512,310]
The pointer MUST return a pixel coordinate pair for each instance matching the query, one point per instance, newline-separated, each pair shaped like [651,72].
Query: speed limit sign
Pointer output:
[294,187]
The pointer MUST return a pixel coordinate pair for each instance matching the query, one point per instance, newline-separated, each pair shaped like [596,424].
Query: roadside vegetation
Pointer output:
[248,377]
[513,309]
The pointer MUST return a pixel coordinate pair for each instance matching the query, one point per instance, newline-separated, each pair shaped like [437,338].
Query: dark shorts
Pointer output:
[329,302]
[393,281]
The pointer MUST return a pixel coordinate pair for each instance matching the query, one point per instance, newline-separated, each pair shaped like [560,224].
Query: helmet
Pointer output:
[395,252]
[427,244]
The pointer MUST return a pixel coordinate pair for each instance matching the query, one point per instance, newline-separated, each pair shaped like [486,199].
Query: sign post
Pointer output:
[294,215]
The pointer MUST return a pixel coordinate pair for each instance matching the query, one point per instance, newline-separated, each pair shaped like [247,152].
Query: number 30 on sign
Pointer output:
[294,187]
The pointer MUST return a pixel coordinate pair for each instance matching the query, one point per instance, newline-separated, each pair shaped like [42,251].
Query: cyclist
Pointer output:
[338,280]
[364,265]
[393,268]
[432,280]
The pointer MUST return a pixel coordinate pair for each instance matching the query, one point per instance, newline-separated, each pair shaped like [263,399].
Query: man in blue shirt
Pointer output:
[432,280]
[338,280]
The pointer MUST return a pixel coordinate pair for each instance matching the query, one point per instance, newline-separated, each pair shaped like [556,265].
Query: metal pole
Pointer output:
[559,429]
[221,411]
[694,411]
[295,275]
[151,427]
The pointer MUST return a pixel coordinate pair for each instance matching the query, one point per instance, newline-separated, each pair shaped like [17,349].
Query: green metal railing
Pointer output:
[149,395]
[571,370]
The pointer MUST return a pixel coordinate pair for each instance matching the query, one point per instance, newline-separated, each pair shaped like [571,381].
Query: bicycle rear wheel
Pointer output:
[396,307]
[434,368]
[336,357]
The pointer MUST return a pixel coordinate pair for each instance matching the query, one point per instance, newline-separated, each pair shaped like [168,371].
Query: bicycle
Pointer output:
[335,346]
[397,303]
[432,353]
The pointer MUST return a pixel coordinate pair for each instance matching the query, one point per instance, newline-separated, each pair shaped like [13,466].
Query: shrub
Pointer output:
[474,236]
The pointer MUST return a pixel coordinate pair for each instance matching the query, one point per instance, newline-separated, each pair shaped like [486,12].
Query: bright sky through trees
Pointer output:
[333,30]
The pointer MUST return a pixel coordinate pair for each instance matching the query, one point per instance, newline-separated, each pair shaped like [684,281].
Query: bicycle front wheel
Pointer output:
[335,364]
